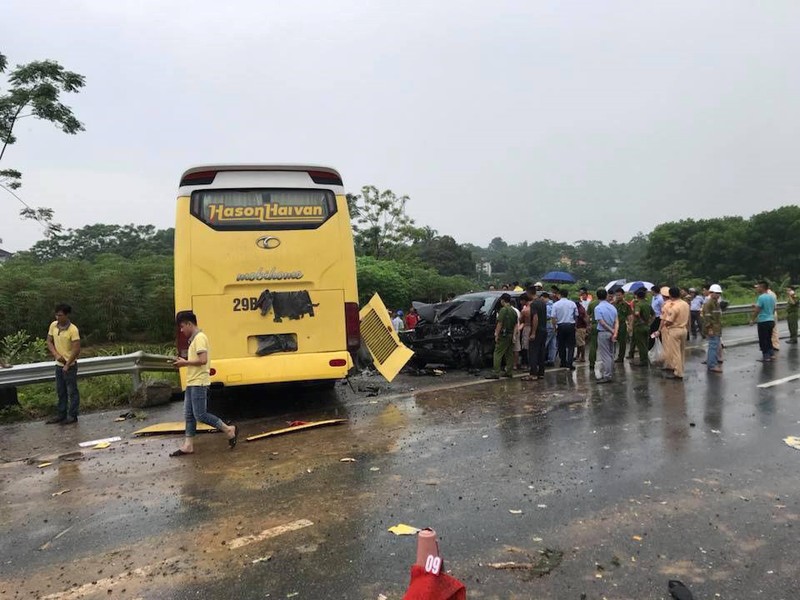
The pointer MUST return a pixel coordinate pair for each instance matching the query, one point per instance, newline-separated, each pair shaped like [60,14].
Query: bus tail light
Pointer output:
[212,371]
[352,326]
[337,362]
[199,178]
[325,178]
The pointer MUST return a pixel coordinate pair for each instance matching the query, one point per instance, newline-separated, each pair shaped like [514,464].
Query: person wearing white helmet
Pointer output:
[712,324]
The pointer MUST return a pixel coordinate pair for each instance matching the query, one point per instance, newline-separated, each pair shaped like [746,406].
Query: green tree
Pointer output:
[91,241]
[381,224]
[34,90]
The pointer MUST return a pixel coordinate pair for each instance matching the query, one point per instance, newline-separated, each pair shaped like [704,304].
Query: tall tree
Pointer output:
[34,90]
[381,224]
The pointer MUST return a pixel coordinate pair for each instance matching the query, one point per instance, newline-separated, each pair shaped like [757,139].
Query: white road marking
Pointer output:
[269,533]
[775,382]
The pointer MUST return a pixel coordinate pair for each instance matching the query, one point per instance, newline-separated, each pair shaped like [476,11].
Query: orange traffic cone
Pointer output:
[427,546]
[428,579]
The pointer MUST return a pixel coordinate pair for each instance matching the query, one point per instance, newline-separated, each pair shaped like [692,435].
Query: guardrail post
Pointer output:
[137,380]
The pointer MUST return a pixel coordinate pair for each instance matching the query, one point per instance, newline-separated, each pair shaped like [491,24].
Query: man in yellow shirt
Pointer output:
[64,344]
[198,379]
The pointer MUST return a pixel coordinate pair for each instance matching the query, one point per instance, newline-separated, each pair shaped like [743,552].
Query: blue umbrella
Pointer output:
[558,277]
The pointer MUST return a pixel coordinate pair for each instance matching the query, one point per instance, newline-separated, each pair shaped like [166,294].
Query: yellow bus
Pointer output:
[264,257]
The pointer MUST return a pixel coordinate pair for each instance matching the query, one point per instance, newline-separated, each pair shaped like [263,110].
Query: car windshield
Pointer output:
[488,300]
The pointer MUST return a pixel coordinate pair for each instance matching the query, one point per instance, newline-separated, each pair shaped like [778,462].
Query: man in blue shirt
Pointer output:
[656,304]
[696,302]
[565,312]
[605,315]
[764,316]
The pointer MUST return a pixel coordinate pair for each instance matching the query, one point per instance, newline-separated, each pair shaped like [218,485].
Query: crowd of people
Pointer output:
[654,325]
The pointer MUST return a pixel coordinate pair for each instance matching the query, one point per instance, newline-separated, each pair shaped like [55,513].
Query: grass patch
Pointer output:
[38,401]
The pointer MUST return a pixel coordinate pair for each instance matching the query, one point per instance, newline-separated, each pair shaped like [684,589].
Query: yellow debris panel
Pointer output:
[304,426]
[173,427]
[403,529]
[388,352]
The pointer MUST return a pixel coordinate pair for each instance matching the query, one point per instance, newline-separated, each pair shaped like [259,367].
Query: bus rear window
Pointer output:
[263,209]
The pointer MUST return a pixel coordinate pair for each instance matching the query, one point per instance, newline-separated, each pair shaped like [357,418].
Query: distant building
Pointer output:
[4,256]
[484,267]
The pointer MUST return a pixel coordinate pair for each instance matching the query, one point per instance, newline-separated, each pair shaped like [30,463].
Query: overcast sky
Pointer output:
[526,119]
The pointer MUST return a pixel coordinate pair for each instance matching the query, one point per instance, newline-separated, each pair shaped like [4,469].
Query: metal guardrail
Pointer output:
[128,364]
[746,309]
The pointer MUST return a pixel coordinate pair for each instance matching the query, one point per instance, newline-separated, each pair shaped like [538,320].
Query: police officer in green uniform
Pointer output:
[643,315]
[503,338]
[791,314]
[623,314]
[592,332]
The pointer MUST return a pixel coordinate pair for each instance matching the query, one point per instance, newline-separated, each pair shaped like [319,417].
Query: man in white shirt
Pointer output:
[397,322]
[565,312]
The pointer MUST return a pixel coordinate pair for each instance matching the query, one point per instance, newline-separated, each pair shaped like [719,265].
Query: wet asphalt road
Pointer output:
[636,482]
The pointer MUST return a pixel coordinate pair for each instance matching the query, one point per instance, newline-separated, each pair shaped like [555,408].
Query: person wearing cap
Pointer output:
[712,323]
[791,314]
[696,302]
[507,320]
[642,317]
[397,322]
[764,316]
[674,325]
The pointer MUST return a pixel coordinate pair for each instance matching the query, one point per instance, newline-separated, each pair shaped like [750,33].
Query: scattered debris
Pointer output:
[131,415]
[403,529]
[792,441]
[347,459]
[374,468]
[98,443]
[548,560]
[293,428]
[541,506]
[637,538]
[679,591]
[172,427]
[46,545]
[71,456]
[514,512]
[43,465]
[54,494]
[261,559]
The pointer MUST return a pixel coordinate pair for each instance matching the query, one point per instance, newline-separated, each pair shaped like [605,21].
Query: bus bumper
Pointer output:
[281,368]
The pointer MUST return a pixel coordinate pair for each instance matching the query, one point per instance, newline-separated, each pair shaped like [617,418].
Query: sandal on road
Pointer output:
[232,441]
[180,452]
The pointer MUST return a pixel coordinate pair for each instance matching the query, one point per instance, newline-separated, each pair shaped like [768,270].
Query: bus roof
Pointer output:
[316,172]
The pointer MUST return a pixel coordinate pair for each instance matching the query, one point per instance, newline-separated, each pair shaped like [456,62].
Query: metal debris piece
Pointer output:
[792,441]
[97,443]
[60,493]
[292,429]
